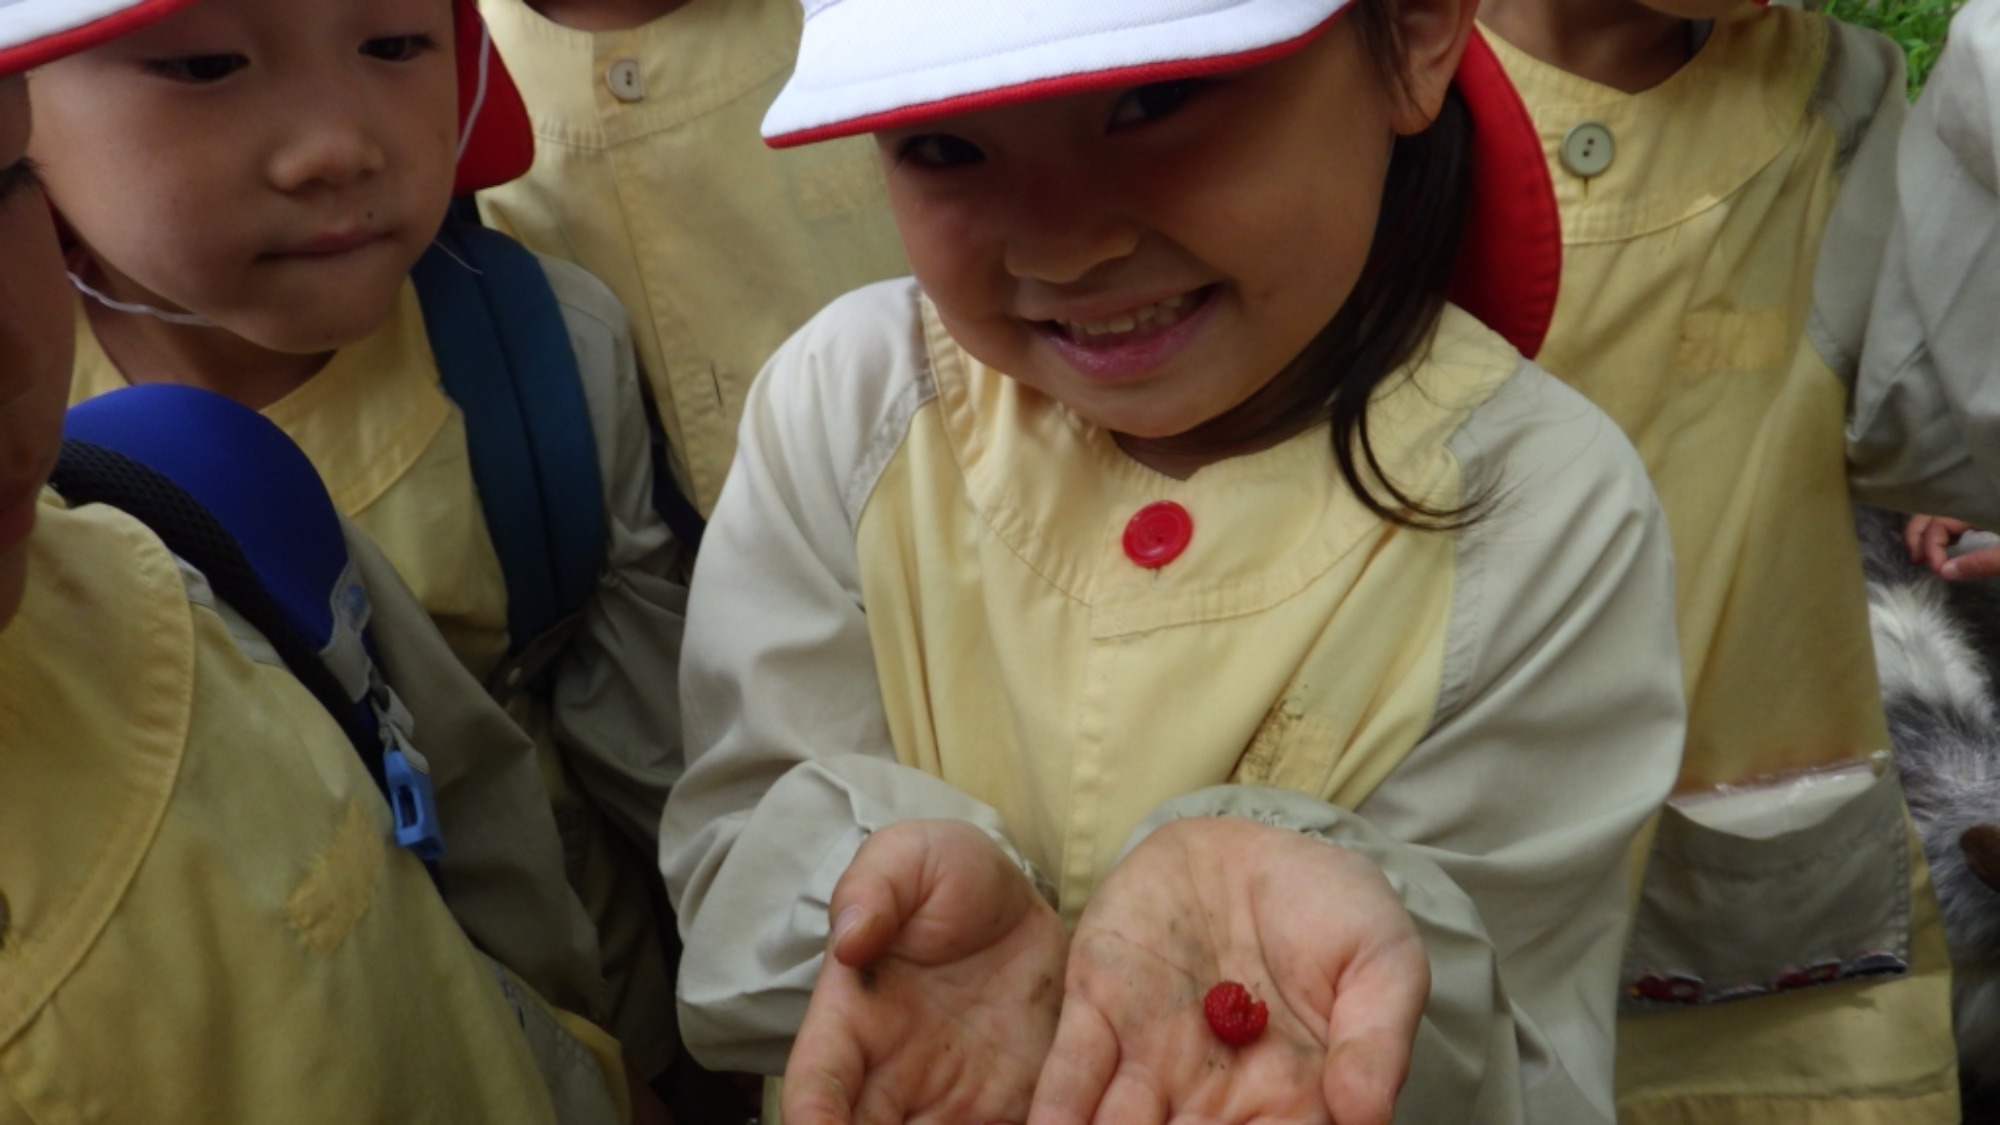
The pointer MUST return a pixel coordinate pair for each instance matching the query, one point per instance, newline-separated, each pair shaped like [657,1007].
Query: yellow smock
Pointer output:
[1686,313]
[649,172]
[203,915]
[391,448]
[914,601]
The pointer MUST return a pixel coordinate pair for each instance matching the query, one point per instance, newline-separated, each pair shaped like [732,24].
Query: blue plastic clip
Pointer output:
[414,805]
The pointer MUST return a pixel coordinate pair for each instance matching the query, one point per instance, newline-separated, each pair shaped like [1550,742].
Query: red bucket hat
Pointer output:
[866,65]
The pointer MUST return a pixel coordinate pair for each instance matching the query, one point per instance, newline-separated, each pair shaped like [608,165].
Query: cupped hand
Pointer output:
[1312,930]
[940,991]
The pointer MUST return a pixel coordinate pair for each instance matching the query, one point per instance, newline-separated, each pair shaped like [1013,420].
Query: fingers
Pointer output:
[1374,1025]
[1363,1076]
[1983,563]
[825,1071]
[877,894]
[1929,539]
[1078,1071]
[1913,537]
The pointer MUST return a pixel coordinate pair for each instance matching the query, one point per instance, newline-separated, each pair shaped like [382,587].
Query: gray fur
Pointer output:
[1934,648]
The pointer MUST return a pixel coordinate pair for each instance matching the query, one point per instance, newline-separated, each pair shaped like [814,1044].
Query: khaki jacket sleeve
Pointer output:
[790,759]
[503,861]
[1557,734]
[616,701]
[1924,428]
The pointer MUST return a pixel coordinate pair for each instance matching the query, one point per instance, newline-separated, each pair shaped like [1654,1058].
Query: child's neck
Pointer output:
[148,350]
[604,15]
[1622,44]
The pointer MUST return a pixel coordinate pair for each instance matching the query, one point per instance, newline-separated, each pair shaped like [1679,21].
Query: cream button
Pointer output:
[1588,149]
[627,82]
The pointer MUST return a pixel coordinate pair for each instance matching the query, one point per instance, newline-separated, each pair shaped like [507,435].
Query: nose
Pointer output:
[1064,227]
[330,141]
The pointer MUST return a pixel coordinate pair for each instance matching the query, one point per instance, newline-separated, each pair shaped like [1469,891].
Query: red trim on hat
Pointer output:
[49,48]
[1510,266]
[502,145]
[1143,74]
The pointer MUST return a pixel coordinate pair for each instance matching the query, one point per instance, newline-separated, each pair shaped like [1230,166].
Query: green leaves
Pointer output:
[1918,26]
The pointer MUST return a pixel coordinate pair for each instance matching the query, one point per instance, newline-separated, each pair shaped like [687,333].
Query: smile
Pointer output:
[1123,346]
[1136,324]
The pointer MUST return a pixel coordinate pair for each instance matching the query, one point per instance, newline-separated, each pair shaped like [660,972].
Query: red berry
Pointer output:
[1235,1018]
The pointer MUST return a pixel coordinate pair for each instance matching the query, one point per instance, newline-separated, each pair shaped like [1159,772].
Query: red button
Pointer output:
[1158,534]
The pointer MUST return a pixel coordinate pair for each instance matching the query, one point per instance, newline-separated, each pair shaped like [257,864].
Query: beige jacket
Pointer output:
[913,603]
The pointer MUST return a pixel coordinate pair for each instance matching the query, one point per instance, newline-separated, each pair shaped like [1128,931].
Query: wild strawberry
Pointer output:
[1235,1018]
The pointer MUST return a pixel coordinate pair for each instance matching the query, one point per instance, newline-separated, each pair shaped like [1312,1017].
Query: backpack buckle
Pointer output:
[413,803]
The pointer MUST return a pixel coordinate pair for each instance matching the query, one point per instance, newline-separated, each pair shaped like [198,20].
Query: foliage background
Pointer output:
[1917,25]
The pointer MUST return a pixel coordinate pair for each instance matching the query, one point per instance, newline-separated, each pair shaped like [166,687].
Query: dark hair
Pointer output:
[1389,319]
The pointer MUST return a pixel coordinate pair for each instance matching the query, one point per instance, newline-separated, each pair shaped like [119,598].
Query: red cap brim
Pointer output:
[501,144]
[49,48]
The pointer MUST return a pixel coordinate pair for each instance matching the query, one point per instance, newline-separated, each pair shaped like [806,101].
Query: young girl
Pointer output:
[203,912]
[1169,563]
[1724,172]
[249,186]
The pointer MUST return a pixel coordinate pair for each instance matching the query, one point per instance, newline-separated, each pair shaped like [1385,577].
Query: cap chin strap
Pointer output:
[478,91]
[188,320]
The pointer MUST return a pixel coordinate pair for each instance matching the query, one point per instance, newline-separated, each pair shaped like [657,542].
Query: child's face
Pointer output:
[276,167]
[35,346]
[1153,256]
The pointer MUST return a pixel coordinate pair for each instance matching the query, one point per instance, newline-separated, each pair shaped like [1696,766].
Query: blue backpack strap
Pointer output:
[505,358]
[229,492]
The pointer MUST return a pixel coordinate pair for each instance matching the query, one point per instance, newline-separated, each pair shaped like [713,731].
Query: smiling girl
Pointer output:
[1170,585]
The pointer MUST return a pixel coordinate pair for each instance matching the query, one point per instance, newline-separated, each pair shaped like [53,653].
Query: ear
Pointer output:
[1433,35]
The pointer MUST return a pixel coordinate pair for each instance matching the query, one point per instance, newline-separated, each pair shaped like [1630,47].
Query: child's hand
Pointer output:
[1314,931]
[1930,540]
[940,990]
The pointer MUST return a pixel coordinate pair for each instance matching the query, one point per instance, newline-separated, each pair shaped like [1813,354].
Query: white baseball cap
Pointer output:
[867,65]
[33,32]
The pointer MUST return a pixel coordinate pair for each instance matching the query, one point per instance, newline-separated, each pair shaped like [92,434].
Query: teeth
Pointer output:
[1164,314]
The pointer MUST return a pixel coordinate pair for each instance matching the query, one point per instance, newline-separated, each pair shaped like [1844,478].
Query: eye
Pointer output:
[19,178]
[398,48]
[1143,104]
[939,150]
[198,70]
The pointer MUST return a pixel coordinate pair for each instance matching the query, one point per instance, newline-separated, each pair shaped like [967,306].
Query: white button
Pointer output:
[1587,149]
[627,83]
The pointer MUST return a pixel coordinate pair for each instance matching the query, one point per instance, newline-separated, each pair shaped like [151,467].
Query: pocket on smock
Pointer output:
[1773,887]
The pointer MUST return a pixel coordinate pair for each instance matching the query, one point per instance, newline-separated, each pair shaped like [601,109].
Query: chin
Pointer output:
[323,333]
